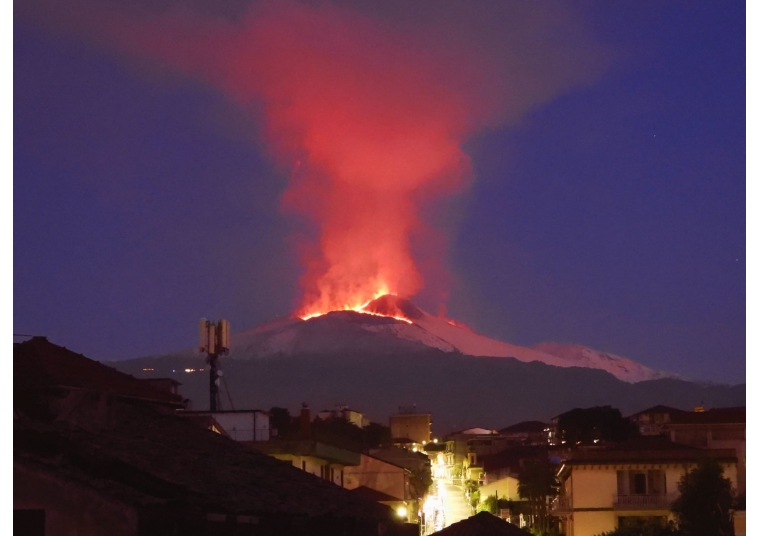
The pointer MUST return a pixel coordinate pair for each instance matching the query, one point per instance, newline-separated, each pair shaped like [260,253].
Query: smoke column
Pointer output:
[369,117]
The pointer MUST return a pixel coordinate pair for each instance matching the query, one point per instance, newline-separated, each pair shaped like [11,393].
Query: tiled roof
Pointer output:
[38,364]
[483,524]
[736,415]
[511,457]
[648,449]
[374,495]
[658,409]
[148,459]
[307,447]
[730,415]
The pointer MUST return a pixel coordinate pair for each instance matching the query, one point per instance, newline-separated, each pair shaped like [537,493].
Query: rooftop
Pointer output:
[483,524]
[147,458]
[39,364]
[525,426]
[647,449]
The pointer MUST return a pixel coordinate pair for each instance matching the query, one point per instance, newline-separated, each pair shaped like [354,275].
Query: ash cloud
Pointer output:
[366,105]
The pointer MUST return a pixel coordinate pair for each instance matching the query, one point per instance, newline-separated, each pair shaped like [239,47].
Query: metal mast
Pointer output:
[214,341]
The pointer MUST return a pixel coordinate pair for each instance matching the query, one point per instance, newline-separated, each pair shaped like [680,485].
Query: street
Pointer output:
[445,505]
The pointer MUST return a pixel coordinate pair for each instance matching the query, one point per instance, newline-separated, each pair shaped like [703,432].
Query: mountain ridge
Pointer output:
[402,323]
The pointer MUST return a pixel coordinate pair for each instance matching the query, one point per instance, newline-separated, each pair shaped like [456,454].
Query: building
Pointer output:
[410,428]
[503,488]
[416,462]
[466,448]
[96,451]
[388,479]
[56,379]
[325,461]
[240,425]
[344,412]
[380,475]
[716,428]
[602,489]
[508,463]
[527,433]
[457,447]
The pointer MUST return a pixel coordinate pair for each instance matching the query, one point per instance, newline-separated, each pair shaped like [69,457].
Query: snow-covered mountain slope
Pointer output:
[349,331]
[582,356]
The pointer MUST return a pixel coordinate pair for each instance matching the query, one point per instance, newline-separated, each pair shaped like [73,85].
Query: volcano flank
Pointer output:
[374,361]
[389,324]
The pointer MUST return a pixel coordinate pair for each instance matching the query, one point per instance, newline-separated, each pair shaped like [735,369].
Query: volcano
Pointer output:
[389,352]
[390,325]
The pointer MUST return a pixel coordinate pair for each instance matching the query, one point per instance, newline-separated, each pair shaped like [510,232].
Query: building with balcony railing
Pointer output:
[602,489]
[652,501]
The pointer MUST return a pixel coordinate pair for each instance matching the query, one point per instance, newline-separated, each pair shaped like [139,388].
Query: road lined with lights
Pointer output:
[444,506]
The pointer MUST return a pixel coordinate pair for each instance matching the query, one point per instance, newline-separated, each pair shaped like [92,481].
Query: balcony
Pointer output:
[561,505]
[644,502]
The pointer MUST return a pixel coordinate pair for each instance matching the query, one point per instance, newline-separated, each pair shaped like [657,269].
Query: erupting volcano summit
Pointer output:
[389,325]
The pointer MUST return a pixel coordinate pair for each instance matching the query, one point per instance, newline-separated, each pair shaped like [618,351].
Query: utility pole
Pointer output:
[214,341]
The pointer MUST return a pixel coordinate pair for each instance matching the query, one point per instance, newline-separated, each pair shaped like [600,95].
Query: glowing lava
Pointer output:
[396,313]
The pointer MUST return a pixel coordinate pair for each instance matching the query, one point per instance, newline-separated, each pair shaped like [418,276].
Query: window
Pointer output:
[639,484]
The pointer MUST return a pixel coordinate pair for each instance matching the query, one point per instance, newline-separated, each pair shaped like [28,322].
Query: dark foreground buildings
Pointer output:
[96,452]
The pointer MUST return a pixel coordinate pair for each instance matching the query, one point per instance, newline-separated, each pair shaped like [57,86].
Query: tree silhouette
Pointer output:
[705,502]
[594,425]
[537,483]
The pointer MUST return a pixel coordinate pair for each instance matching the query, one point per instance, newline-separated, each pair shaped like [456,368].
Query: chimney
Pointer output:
[304,422]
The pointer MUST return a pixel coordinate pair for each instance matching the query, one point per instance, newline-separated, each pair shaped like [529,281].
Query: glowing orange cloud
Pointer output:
[368,116]
[360,115]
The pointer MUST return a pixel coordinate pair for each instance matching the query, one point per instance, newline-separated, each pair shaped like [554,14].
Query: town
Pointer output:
[97,450]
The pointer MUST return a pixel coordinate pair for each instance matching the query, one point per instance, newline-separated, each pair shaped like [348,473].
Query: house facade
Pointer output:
[379,475]
[416,428]
[354,417]
[715,428]
[604,489]
[325,461]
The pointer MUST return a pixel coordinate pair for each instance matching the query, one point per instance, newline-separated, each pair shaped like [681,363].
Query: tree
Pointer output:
[705,502]
[472,489]
[421,480]
[342,433]
[488,504]
[376,435]
[281,421]
[593,425]
[537,483]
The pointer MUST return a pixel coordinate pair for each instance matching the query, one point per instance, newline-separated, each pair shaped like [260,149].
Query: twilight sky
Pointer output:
[593,169]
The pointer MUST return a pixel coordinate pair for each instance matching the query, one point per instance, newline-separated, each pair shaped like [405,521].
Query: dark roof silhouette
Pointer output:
[512,457]
[729,415]
[483,524]
[147,458]
[39,364]
[374,495]
[648,448]
[141,454]
[525,426]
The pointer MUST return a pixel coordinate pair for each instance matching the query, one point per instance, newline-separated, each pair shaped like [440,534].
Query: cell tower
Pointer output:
[214,341]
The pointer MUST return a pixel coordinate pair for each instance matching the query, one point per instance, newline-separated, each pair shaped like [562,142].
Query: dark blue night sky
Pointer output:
[613,216]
